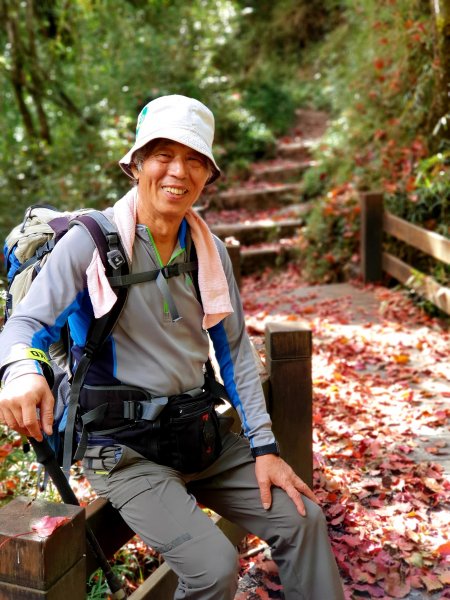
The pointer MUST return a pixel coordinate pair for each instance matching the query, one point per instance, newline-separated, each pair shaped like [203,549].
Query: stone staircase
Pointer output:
[265,212]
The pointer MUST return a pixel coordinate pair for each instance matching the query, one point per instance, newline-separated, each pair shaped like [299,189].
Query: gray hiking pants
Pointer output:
[160,505]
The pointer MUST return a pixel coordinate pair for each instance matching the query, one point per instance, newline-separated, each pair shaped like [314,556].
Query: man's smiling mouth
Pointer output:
[173,190]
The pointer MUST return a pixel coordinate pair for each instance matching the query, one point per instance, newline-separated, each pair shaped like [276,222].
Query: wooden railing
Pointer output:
[57,567]
[375,221]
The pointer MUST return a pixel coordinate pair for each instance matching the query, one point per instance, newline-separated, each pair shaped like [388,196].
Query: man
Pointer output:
[154,464]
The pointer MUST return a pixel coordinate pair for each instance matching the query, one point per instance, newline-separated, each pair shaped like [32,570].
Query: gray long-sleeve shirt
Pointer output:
[146,348]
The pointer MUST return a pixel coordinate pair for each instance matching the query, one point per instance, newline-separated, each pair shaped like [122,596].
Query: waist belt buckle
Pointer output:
[132,410]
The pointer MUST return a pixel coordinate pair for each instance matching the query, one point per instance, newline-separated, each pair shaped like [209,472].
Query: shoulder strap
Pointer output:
[111,252]
[105,236]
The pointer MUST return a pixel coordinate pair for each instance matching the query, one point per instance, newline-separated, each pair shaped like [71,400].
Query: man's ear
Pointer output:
[135,172]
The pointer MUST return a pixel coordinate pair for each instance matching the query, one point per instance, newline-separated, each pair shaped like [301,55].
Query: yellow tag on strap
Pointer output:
[31,353]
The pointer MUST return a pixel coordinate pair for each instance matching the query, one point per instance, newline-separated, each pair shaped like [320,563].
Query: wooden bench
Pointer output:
[57,567]
[376,221]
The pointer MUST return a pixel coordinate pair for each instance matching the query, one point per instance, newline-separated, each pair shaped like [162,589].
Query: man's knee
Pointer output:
[209,567]
[291,526]
[221,568]
[314,515]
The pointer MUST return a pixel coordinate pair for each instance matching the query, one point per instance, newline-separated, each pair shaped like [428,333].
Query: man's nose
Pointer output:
[177,167]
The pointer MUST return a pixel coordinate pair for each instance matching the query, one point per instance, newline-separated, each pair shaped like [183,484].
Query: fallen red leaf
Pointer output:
[444,549]
[45,526]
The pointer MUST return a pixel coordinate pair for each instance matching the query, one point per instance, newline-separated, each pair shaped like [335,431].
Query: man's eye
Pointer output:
[195,160]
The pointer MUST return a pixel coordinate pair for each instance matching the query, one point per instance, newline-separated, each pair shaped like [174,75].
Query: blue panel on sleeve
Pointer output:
[223,355]
[51,333]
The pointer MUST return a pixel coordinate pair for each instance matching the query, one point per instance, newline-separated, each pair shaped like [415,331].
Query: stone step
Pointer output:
[312,124]
[258,231]
[257,197]
[257,259]
[296,149]
[284,170]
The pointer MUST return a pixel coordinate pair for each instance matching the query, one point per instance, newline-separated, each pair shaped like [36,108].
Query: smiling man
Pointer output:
[157,446]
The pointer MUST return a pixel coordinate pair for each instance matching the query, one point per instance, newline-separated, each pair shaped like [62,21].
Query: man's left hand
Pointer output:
[272,470]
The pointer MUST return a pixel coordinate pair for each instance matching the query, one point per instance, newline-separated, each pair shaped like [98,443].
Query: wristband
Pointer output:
[32,354]
[267,449]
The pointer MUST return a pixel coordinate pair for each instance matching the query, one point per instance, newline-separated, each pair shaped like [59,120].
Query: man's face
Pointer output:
[171,179]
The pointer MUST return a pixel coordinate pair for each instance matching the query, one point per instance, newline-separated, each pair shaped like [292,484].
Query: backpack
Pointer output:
[26,250]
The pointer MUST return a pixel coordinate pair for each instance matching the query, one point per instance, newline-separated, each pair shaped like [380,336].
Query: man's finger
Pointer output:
[30,421]
[296,498]
[9,418]
[303,488]
[47,413]
[266,494]
[307,491]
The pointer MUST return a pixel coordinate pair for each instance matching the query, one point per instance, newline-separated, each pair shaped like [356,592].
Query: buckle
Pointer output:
[115,258]
[169,271]
[132,410]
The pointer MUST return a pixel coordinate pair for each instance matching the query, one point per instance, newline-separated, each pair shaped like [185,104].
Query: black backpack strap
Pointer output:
[109,246]
[105,236]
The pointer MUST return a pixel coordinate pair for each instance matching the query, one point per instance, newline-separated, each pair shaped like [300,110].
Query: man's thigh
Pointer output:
[232,491]
[153,500]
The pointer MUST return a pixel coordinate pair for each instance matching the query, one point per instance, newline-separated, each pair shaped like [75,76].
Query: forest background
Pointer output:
[75,74]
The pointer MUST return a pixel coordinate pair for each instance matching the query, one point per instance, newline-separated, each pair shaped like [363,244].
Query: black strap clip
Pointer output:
[170,271]
[115,259]
[114,256]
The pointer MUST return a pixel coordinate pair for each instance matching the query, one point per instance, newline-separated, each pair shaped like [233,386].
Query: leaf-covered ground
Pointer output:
[381,413]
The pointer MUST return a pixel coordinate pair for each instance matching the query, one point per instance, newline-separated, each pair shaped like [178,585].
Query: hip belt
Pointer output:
[181,430]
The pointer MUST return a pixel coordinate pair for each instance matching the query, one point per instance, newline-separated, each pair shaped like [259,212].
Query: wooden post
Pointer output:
[35,568]
[371,236]
[288,362]
[234,252]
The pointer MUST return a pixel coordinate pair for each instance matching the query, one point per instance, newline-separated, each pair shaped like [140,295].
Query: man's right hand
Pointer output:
[19,401]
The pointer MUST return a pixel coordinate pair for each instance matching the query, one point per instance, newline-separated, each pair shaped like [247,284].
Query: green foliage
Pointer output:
[375,71]
[332,236]
[17,475]
[314,182]
[97,587]
[133,564]
[86,69]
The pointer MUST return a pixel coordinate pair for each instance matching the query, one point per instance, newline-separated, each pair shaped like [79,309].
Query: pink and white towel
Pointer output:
[211,277]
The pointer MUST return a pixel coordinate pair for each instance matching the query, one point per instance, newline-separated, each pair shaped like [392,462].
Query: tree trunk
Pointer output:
[25,69]
[37,86]
[17,70]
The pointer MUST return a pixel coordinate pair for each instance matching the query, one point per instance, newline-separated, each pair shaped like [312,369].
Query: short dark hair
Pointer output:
[141,154]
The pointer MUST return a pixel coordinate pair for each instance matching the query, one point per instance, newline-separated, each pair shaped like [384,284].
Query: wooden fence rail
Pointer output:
[375,221]
[57,567]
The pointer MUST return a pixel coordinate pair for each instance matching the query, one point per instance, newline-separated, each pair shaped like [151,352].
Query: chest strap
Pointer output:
[161,276]
[167,272]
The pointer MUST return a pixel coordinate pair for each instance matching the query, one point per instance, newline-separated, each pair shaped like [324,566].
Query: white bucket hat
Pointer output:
[178,118]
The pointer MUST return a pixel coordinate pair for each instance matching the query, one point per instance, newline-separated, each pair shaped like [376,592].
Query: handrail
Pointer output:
[430,242]
[375,221]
